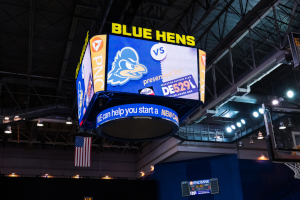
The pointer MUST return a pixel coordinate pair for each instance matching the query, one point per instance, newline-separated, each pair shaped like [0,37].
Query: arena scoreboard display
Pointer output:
[159,69]
[207,186]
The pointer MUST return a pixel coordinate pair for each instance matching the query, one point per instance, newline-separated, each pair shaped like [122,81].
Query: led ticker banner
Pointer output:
[84,84]
[137,110]
[207,186]
[168,70]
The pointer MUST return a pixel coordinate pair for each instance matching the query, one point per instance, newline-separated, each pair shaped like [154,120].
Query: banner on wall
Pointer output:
[154,68]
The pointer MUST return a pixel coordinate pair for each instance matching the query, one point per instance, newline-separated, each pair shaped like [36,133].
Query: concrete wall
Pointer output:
[57,161]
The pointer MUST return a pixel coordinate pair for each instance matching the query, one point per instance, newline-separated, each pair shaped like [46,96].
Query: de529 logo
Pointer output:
[179,87]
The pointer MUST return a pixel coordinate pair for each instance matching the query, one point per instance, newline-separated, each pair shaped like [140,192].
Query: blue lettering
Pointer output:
[155,52]
[161,50]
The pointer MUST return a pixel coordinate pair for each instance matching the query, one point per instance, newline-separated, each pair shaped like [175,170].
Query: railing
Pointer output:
[75,177]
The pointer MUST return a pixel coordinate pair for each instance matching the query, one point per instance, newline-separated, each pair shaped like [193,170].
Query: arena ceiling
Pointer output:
[41,42]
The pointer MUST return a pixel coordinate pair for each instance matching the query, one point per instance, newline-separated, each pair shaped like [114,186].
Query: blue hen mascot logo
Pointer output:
[126,67]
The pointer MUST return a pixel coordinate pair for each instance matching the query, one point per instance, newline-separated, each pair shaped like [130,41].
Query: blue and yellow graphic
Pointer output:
[134,64]
[126,67]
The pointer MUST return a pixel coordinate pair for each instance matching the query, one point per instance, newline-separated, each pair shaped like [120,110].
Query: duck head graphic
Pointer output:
[126,67]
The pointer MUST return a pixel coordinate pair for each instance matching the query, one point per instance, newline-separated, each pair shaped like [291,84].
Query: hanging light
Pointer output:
[241,144]
[106,177]
[255,114]
[260,136]
[282,126]
[40,123]
[290,124]
[69,120]
[6,118]
[8,130]
[152,168]
[243,121]
[261,111]
[233,127]
[238,124]
[275,102]
[142,174]
[251,141]
[228,129]
[290,94]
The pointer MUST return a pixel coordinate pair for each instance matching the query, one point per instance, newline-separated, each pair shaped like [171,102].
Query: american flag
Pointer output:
[83,151]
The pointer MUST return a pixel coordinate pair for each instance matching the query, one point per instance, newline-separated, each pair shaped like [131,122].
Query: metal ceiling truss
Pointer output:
[250,38]
[59,135]
[245,32]
[238,35]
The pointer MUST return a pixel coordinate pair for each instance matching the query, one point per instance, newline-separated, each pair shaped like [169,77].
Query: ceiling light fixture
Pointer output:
[241,144]
[261,111]
[282,126]
[275,102]
[40,123]
[6,118]
[228,129]
[8,130]
[243,121]
[260,136]
[233,127]
[290,94]
[69,120]
[255,114]
[238,124]
[251,141]
[290,124]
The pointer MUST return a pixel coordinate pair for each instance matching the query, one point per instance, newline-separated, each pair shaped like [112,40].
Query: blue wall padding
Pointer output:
[199,171]
[225,168]
[238,179]
[261,179]
[168,175]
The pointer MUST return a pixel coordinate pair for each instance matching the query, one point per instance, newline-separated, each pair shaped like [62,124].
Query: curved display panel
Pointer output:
[137,122]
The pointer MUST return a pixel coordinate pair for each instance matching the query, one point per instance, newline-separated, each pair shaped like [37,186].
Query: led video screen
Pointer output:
[152,68]
[84,84]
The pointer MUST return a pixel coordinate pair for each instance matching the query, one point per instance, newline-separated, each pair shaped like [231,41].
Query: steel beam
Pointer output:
[222,74]
[30,44]
[270,63]
[250,20]
[207,29]
[12,97]
[210,8]
[105,14]
[290,23]
[68,49]
[57,134]
[184,13]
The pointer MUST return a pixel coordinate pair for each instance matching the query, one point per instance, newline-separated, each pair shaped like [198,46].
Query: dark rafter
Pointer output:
[207,29]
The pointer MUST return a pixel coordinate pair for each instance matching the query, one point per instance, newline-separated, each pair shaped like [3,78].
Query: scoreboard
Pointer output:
[207,186]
